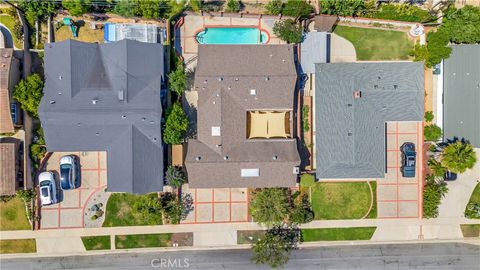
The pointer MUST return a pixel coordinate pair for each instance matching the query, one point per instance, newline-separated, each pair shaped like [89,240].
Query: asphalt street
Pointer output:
[372,257]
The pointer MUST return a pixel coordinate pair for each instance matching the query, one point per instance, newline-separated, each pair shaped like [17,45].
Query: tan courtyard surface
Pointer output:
[218,205]
[70,211]
[397,196]
[192,24]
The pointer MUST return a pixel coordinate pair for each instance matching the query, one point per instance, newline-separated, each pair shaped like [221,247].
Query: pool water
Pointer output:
[232,35]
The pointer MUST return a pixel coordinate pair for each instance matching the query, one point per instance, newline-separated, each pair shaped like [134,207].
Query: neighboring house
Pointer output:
[246,118]
[353,102]
[106,97]
[461,94]
[10,112]
[149,33]
[9,166]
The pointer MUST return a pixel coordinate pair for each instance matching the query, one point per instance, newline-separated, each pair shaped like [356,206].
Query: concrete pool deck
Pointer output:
[192,24]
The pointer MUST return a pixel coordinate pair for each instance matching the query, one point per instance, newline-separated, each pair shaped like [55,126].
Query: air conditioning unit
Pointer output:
[296,170]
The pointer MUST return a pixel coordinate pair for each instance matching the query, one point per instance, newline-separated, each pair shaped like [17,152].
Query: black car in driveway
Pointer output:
[408,159]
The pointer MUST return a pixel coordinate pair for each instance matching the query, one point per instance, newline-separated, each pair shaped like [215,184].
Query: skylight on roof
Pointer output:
[216,131]
[250,172]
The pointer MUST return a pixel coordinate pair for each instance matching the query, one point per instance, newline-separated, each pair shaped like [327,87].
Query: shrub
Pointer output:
[432,132]
[77,7]
[473,210]
[457,157]
[195,5]
[174,177]
[429,116]
[37,152]
[402,12]
[233,6]
[433,193]
[148,208]
[297,8]
[124,8]
[274,7]
[301,211]
[177,79]
[436,167]
[176,125]
[343,7]
[288,31]
[306,124]
[175,209]
[26,195]
[29,92]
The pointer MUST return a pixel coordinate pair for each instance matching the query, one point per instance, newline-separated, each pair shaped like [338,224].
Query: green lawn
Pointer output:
[18,246]
[84,34]
[473,203]
[373,211]
[8,21]
[120,212]
[338,234]
[13,215]
[143,240]
[375,44]
[346,200]
[470,230]
[96,242]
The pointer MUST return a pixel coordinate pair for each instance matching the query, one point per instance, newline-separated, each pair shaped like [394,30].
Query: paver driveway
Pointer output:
[69,212]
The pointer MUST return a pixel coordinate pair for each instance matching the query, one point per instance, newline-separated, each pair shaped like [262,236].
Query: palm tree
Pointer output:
[436,167]
[458,157]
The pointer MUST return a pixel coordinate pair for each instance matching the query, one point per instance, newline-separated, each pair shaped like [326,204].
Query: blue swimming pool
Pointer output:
[232,35]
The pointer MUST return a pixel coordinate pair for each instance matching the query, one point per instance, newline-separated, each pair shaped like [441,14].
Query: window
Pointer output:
[250,172]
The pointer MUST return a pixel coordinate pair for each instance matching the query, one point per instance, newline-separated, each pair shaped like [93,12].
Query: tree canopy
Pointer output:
[233,6]
[270,206]
[432,132]
[28,93]
[37,10]
[274,7]
[176,125]
[175,177]
[458,157]
[276,245]
[177,79]
[288,31]
[77,7]
[299,9]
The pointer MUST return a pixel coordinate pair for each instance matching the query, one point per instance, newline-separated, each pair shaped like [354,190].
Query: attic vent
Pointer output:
[253,92]
[379,77]
[349,133]
[395,86]
[198,158]
[205,81]
[154,139]
[236,78]
[375,86]
[220,79]
[97,134]
[52,101]
[121,95]
[94,101]
[225,157]
[143,118]
[349,104]
[275,157]
[267,78]
[296,170]
[357,94]
[124,116]
[60,77]
[229,88]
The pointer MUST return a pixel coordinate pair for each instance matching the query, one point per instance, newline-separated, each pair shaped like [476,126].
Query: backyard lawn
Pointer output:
[340,200]
[120,211]
[96,242]
[375,44]
[13,215]
[8,21]
[18,246]
[338,234]
[143,240]
[84,34]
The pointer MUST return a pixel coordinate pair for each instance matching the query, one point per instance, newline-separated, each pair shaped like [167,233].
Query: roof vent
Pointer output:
[275,157]
[267,78]
[395,86]
[220,79]
[349,104]
[52,101]
[236,78]
[375,86]
[121,95]
[59,93]
[97,134]
[78,124]
[143,118]
[60,77]
[379,77]
[296,170]
[225,158]
[253,92]
[205,81]
[124,116]
[229,88]
[94,101]
[154,139]
[349,133]
[198,158]
[357,94]
[271,55]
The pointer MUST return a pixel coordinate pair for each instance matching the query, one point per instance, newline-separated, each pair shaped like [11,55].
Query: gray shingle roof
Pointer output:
[224,77]
[350,133]
[125,119]
[461,94]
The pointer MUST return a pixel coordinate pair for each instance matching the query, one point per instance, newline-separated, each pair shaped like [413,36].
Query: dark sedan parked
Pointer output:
[408,159]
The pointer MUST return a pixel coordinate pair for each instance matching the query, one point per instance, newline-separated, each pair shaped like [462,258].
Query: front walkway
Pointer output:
[342,50]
